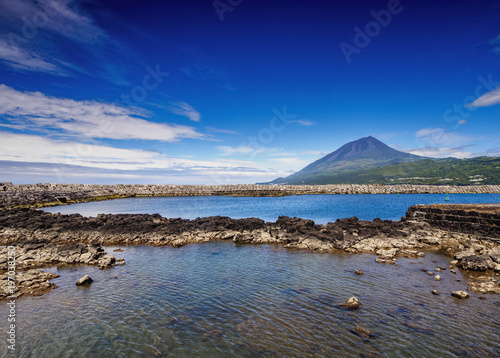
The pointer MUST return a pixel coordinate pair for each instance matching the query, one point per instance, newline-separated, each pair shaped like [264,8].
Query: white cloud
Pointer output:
[315,152]
[28,28]
[185,110]
[443,152]
[22,59]
[488,99]
[302,122]
[33,153]
[242,149]
[61,16]
[218,130]
[291,161]
[440,137]
[85,118]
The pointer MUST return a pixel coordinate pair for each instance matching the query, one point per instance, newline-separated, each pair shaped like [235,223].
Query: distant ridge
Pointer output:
[362,154]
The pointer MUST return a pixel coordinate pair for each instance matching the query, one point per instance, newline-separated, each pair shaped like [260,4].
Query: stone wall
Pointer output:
[477,219]
[12,195]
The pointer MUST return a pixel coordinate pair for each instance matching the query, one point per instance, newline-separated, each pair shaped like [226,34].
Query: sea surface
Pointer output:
[220,299]
[320,208]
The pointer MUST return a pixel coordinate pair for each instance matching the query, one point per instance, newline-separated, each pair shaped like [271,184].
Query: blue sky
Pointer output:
[238,91]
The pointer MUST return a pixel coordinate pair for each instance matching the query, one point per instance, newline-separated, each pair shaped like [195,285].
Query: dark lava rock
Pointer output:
[476,263]
[363,332]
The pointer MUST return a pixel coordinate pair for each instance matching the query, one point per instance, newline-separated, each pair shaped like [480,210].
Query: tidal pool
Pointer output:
[224,300]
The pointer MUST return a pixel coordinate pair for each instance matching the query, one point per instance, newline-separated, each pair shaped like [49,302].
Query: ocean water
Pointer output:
[320,208]
[220,299]
[224,300]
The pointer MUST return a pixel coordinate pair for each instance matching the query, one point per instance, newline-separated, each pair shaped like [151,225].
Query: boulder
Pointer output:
[476,263]
[358,272]
[460,294]
[387,254]
[460,255]
[352,303]
[495,257]
[106,261]
[85,280]
[437,278]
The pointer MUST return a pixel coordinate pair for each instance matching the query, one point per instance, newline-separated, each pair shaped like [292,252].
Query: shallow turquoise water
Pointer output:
[320,208]
[223,300]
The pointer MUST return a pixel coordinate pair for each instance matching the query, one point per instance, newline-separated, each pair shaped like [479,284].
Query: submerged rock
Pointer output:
[491,286]
[363,332]
[460,294]
[351,303]
[28,283]
[85,280]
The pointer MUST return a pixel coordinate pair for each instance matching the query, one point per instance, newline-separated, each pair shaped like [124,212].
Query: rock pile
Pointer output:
[31,194]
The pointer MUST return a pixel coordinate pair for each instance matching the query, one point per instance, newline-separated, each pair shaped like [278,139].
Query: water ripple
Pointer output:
[256,301]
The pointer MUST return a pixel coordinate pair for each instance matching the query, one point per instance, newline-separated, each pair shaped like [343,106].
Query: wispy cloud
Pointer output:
[246,149]
[303,122]
[314,152]
[443,152]
[218,130]
[35,37]
[185,110]
[441,137]
[21,59]
[488,99]
[242,149]
[29,157]
[64,17]
[90,119]
[494,152]
[291,161]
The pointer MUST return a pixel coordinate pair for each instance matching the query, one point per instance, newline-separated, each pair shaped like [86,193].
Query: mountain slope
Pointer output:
[362,154]
[452,171]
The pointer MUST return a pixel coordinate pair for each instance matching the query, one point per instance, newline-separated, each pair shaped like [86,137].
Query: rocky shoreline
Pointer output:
[60,194]
[42,239]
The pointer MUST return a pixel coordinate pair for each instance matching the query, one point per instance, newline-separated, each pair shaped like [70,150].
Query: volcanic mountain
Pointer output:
[361,154]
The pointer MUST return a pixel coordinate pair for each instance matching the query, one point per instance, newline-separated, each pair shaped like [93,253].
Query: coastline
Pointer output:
[44,195]
[468,234]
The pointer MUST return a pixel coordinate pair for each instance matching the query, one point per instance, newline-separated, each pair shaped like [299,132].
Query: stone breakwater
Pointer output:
[476,219]
[44,194]
[45,239]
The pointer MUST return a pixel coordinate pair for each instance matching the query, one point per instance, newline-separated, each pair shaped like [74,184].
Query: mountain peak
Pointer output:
[364,153]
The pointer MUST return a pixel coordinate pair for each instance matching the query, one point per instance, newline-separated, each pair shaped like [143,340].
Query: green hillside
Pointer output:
[481,170]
